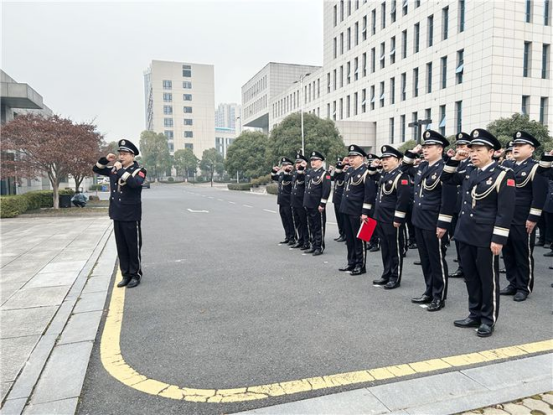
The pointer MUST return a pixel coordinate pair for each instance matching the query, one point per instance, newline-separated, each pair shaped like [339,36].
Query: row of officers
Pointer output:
[491,207]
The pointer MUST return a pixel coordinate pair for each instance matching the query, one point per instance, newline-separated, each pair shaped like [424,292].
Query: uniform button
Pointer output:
[471,215]
[467,192]
[463,212]
[420,203]
[465,202]
[119,199]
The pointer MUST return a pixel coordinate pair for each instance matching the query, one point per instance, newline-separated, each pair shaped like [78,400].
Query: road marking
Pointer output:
[220,200]
[210,197]
[268,210]
[231,202]
[115,365]
[197,210]
[247,206]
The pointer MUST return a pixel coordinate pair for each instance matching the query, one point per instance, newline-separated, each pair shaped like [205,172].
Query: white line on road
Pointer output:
[197,210]
[210,197]
[268,210]
[247,206]
[231,202]
[220,200]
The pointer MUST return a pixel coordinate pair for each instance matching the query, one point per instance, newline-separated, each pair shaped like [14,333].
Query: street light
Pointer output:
[418,124]
[301,80]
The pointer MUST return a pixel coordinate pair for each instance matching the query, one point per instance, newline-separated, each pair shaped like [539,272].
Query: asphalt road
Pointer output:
[223,305]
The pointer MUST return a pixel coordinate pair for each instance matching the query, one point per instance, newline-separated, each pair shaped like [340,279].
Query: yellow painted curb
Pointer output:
[114,363]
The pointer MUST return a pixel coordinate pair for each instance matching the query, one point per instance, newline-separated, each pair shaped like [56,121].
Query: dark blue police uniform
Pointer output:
[299,215]
[337,177]
[284,180]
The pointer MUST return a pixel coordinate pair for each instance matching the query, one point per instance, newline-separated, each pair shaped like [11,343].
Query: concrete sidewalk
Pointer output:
[53,291]
[447,393]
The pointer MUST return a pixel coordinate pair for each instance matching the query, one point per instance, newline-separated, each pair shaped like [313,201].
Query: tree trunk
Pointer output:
[56,194]
[78,181]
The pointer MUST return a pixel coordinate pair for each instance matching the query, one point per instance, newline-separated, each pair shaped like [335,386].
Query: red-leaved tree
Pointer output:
[53,146]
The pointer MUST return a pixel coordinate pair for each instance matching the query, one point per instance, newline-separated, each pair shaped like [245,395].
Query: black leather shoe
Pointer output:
[485,330]
[503,271]
[357,271]
[520,296]
[374,249]
[548,254]
[298,245]
[467,323]
[422,299]
[284,241]
[457,273]
[124,282]
[305,247]
[347,268]
[341,239]
[381,282]
[417,263]
[312,250]
[391,285]
[436,305]
[412,246]
[508,291]
[317,252]
[291,242]
[133,283]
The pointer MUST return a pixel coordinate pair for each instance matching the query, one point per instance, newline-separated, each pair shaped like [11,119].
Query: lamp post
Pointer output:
[418,124]
[301,81]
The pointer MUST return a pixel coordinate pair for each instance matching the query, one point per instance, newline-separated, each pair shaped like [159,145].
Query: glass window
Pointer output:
[382,95]
[373,21]
[187,97]
[404,7]
[458,116]
[416,38]
[356,69]
[363,100]
[543,112]
[547,12]
[348,38]
[526,58]
[372,101]
[392,90]
[528,11]
[382,55]
[347,106]
[335,47]
[460,67]
[335,15]
[187,121]
[461,15]
[429,77]
[187,71]
[166,84]
[187,85]
[392,50]
[168,122]
[189,146]
[372,60]
[168,96]
[341,43]
[445,23]
[443,71]
[525,104]
[403,127]
[341,78]
[428,117]
[187,109]
[341,109]
[364,28]
[391,130]
[355,103]
[356,34]
[168,109]
[328,82]
[188,134]
[545,61]
[168,134]
[393,11]
[334,79]
[404,44]
[403,86]
[442,124]
[417,3]
[416,82]
[383,15]
[364,64]
[430,24]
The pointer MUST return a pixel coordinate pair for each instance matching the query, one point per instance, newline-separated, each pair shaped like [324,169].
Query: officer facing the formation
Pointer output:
[462,142]
[297,203]
[126,178]
[391,206]
[356,205]
[338,173]
[316,194]
[531,191]
[488,193]
[283,176]
[434,204]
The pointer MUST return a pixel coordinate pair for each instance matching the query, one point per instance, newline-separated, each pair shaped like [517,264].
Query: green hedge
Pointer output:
[239,186]
[262,180]
[272,189]
[97,187]
[13,205]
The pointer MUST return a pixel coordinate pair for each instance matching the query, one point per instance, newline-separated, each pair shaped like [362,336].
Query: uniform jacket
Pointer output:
[337,176]
[359,192]
[393,196]
[298,186]
[465,165]
[318,188]
[284,180]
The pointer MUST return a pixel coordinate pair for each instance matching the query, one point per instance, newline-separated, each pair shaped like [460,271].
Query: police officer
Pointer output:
[338,173]
[316,194]
[545,169]
[297,202]
[488,193]
[283,176]
[531,190]
[126,178]
[356,206]
[373,245]
[391,206]
[434,204]
[462,143]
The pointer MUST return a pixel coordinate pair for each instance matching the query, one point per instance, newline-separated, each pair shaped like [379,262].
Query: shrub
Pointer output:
[97,187]
[12,206]
[34,200]
[262,180]
[171,179]
[272,189]
[93,198]
[239,186]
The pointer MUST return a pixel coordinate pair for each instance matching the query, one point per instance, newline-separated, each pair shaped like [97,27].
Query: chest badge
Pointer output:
[359,176]
[489,181]
[434,176]
[467,176]
[389,182]
[523,173]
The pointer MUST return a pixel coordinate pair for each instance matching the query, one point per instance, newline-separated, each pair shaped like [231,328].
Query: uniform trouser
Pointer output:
[411,234]
[452,228]
[355,247]
[482,281]
[301,224]
[128,239]
[432,254]
[518,259]
[392,241]
[286,218]
[316,221]
[341,220]
[548,222]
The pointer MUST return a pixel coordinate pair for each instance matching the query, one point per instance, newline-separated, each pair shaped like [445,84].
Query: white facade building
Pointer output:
[179,102]
[224,137]
[460,63]
[226,116]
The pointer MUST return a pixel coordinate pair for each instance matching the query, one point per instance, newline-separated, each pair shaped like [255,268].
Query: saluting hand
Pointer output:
[460,154]
[396,224]
[496,248]
[417,149]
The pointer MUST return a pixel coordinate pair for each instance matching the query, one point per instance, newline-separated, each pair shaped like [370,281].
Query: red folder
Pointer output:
[366,229]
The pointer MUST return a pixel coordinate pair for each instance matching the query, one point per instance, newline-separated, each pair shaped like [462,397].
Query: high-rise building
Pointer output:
[179,102]
[226,116]
[459,63]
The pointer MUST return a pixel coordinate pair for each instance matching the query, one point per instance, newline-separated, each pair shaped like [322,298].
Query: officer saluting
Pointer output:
[338,173]
[391,206]
[356,205]
[434,205]
[483,227]
[531,190]
[283,177]
[126,178]
[318,188]
[297,202]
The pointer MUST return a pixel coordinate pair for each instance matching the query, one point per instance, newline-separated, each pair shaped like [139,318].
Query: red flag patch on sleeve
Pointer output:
[511,182]
[404,182]
[141,174]
[328,177]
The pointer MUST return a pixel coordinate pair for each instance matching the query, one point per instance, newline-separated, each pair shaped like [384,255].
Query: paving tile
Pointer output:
[14,352]
[494,411]
[63,266]
[539,405]
[58,407]
[4,388]
[7,290]
[516,409]
[61,278]
[35,297]
[13,407]
[91,301]
[547,397]
[24,322]
[81,327]
[98,283]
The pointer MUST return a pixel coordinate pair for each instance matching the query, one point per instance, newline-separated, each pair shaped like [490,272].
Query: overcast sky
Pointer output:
[87,58]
